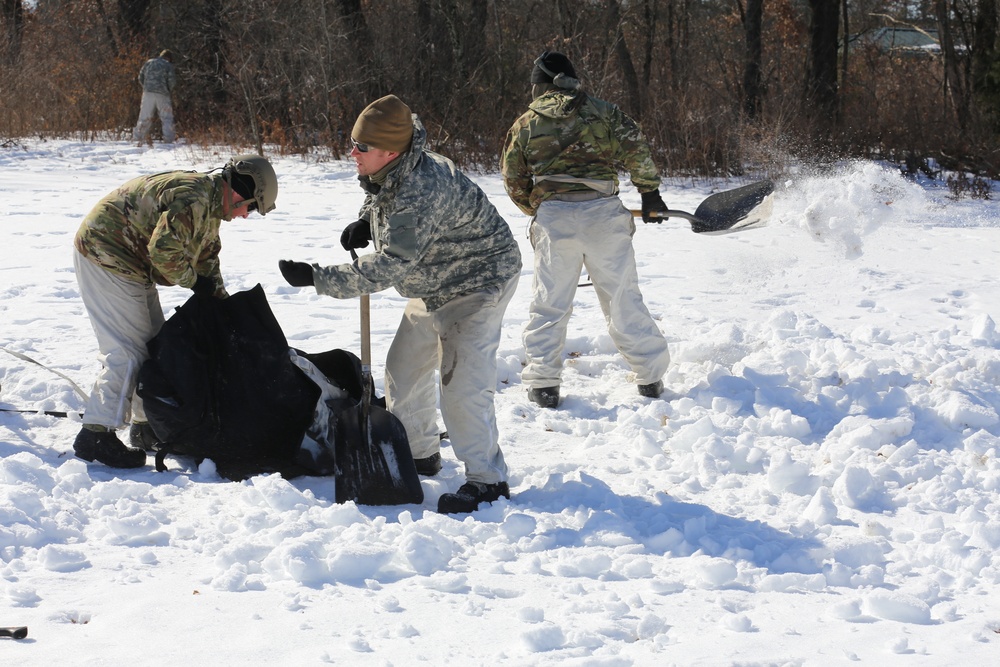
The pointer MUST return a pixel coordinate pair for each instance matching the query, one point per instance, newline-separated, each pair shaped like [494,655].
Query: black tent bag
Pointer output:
[220,384]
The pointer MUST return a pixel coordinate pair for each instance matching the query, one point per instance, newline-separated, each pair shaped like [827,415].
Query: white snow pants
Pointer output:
[459,340]
[596,234]
[161,104]
[125,315]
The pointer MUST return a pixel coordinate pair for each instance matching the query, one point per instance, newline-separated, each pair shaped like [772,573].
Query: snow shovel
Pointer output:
[374,465]
[18,632]
[50,413]
[727,212]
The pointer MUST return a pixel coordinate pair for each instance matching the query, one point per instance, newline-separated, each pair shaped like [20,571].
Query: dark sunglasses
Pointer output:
[362,148]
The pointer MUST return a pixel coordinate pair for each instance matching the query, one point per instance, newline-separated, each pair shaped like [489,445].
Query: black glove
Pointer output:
[652,203]
[356,235]
[298,274]
[204,287]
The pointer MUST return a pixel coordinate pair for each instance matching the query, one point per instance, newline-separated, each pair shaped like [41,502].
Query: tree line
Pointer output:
[720,87]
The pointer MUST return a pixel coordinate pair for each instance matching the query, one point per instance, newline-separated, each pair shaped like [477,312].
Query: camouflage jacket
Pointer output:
[436,235]
[570,133]
[161,229]
[158,76]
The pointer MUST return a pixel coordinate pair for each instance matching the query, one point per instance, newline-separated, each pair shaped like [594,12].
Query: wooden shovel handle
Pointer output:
[366,330]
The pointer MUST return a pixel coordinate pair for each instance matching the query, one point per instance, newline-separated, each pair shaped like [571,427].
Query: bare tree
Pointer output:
[633,102]
[295,74]
[650,21]
[126,23]
[133,17]
[821,81]
[753,22]
[367,59]
[12,17]
[955,83]
[986,47]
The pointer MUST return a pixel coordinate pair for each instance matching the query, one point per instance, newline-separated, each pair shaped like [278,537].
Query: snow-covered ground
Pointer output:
[821,487]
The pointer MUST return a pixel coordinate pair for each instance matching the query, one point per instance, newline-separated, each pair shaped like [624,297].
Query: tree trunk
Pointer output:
[132,18]
[753,26]
[12,13]
[360,38]
[985,54]
[846,32]
[677,40]
[821,82]
[954,83]
[633,104]
[650,11]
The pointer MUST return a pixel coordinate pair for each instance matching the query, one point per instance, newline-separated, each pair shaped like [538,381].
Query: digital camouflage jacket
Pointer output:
[436,235]
[161,229]
[570,133]
[158,76]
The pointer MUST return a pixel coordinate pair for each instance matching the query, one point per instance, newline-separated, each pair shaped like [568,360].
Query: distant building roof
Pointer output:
[898,39]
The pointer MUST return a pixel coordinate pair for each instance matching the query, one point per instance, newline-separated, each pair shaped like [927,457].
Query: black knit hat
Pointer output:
[243,184]
[549,65]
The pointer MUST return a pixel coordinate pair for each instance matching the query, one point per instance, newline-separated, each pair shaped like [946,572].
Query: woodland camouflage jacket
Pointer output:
[161,229]
[436,235]
[158,76]
[570,133]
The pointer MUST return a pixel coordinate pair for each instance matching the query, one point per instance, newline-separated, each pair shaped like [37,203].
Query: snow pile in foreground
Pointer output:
[821,486]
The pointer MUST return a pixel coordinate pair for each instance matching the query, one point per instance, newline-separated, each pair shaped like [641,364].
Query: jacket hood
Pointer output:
[417,145]
[558,103]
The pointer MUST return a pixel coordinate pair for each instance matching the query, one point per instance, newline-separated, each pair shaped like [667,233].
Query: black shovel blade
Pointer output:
[374,465]
[734,210]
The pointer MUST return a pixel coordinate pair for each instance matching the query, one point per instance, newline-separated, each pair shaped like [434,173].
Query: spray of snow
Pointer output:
[843,205]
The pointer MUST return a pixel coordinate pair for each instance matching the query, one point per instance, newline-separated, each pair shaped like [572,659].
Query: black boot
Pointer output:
[106,448]
[547,397]
[468,498]
[430,465]
[651,390]
[141,435]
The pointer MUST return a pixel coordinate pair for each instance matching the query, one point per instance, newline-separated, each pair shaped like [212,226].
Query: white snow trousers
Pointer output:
[163,107]
[459,340]
[125,315]
[597,234]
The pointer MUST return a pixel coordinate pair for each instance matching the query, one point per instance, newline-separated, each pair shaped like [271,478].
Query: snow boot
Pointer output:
[141,435]
[651,390]
[547,397]
[106,448]
[470,495]
[429,466]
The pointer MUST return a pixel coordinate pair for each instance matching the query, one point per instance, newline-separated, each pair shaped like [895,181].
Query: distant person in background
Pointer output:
[157,78]
[153,230]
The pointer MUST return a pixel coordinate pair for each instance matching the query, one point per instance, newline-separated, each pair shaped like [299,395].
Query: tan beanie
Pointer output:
[385,124]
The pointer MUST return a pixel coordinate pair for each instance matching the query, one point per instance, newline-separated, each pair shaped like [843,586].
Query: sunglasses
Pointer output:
[362,148]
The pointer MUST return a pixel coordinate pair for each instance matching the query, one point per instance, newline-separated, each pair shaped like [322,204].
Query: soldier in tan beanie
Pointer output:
[441,243]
